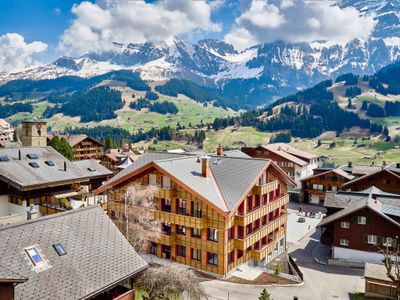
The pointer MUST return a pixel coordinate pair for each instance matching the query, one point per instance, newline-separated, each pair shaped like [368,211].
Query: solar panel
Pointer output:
[4,158]
[34,165]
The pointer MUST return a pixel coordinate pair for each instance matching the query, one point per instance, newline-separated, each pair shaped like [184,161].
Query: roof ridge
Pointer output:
[172,158]
[44,218]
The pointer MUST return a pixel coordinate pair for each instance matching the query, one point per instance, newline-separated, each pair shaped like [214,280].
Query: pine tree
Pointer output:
[109,143]
[264,295]
[349,104]
[364,105]
[62,146]
[15,136]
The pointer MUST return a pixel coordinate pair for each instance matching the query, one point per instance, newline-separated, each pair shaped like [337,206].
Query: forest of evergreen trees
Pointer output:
[349,79]
[165,107]
[353,91]
[7,110]
[96,104]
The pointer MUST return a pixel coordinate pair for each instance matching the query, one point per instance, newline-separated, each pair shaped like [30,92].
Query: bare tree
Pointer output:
[161,283]
[140,226]
[391,260]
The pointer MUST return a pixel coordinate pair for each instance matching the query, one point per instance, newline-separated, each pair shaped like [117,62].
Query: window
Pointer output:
[34,256]
[50,163]
[166,228]
[361,220]
[387,241]
[196,233]
[213,234]
[153,248]
[344,224]
[32,156]
[231,233]
[152,179]
[166,205]
[196,254]
[196,209]
[180,229]
[91,169]
[181,251]
[231,256]
[212,258]
[344,242]
[59,249]
[166,182]
[372,239]
[34,165]
[181,206]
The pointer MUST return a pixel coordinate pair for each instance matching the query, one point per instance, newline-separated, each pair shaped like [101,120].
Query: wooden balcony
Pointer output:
[244,220]
[263,252]
[265,188]
[177,219]
[243,244]
[167,240]
[166,193]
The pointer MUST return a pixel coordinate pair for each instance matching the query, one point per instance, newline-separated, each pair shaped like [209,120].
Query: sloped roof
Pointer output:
[337,171]
[7,275]
[388,168]
[21,175]
[92,168]
[236,153]
[97,255]
[281,150]
[230,179]
[376,271]
[367,202]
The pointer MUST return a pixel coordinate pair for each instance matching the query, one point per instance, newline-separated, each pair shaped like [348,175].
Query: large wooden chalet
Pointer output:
[217,211]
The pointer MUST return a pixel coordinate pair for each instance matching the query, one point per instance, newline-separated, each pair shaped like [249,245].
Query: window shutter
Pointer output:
[365,238]
[378,239]
[394,243]
[368,220]
[355,219]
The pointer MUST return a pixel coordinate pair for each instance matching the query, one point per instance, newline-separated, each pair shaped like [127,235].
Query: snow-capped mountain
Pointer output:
[274,68]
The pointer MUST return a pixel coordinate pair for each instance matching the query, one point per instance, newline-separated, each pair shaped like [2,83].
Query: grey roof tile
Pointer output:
[99,170]
[97,255]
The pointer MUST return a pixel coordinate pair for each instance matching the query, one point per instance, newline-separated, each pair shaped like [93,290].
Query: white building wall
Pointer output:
[356,255]
[4,205]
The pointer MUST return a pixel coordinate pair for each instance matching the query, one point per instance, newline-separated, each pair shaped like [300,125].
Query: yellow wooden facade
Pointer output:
[211,218]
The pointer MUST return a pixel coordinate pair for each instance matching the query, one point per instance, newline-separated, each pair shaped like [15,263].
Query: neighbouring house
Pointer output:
[386,178]
[79,254]
[118,159]
[377,284]
[315,187]
[36,181]
[366,223]
[217,212]
[296,163]
[83,146]
[6,132]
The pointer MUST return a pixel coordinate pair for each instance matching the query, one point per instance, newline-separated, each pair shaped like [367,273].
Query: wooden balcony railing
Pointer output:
[244,220]
[168,240]
[177,219]
[249,240]
[268,248]
[265,188]
[166,193]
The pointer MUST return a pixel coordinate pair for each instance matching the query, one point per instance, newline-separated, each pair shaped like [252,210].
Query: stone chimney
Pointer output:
[205,166]
[220,150]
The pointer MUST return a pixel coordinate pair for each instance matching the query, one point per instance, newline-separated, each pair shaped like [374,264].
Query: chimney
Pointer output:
[205,166]
[220,150]
[19,155]
[398,165]
[350,164]
[65,166]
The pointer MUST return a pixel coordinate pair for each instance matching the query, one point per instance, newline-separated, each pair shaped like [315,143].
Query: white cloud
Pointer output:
[15,53]
[297,21]
[97,26]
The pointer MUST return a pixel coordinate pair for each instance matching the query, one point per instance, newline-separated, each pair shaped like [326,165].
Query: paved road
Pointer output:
[321,282]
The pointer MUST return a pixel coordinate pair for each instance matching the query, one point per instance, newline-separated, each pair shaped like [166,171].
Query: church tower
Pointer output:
[33,133]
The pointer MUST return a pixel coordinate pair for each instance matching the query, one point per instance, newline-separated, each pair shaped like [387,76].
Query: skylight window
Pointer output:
[34,165]
[34,256]
[49,163]
[32,156]
[59,249]
[4,158]
[91,169]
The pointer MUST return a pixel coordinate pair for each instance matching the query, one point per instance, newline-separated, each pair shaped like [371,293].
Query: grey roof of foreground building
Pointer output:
[97,255]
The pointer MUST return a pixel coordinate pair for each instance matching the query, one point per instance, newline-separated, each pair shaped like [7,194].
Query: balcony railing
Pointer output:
[249,240]
[167,240]
[166,193]
[244,220]
[182,220]
[265,188]
[268,248]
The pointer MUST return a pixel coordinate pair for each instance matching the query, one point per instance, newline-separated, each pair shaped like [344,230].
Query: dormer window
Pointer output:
[34,255]
[34,165]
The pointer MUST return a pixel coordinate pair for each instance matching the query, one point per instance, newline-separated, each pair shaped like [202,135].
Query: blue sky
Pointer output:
[38,31]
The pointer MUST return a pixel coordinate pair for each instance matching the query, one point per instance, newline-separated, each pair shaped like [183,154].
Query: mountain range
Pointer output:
[258,74]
